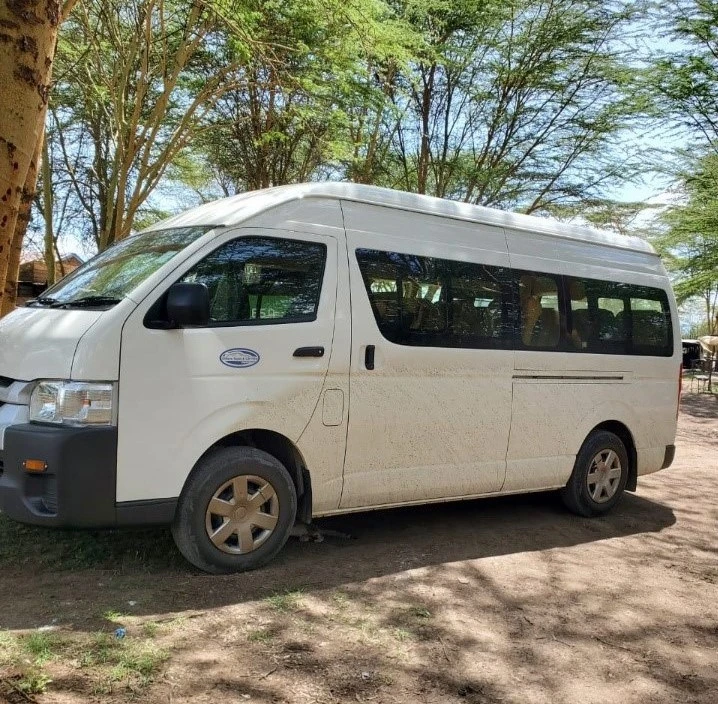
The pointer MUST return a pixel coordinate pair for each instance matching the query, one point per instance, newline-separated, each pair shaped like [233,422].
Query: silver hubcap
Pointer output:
[242,514]
[604,476]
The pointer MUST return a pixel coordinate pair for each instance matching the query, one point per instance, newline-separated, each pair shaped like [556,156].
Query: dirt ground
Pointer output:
[503,600]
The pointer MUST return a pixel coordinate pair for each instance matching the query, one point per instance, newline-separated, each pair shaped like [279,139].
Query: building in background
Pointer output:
[32,279]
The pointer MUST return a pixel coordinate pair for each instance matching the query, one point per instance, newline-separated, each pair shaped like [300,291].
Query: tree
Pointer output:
[28,38]
[132,96]
[514,105]
[690,246]
[295,106]
[684,81]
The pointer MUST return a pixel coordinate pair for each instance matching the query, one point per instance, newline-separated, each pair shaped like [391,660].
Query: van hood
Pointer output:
[40,343]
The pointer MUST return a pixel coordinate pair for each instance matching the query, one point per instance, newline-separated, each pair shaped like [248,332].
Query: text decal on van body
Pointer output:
[239,357]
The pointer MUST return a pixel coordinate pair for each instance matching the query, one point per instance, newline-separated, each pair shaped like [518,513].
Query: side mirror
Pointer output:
[188,304]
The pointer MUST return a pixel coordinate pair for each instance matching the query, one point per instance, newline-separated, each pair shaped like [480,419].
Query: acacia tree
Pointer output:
[292,113]
[690,246]
[683,82]
[515,105]
[133,96]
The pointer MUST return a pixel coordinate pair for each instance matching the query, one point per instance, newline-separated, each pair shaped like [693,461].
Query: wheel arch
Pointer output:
[622,431]
[282,449]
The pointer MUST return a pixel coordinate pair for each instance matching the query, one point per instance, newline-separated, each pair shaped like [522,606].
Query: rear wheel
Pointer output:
[599,475]
[235,512]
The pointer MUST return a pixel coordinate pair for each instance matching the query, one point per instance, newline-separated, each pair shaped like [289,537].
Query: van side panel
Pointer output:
[560,396]
[426,421]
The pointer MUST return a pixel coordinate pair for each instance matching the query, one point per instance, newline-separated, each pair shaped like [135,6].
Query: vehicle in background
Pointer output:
[691,353]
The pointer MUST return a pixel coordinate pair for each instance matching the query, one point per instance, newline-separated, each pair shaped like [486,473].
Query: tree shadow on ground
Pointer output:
[72,578]
[700,406]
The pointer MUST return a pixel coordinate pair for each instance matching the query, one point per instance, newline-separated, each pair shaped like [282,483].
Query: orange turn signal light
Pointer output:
[34,465]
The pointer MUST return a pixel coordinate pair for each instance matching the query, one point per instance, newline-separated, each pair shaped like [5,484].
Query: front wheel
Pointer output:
[599,475]
[235,512]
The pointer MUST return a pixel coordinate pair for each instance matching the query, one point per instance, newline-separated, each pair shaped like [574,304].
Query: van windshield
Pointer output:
[107,278]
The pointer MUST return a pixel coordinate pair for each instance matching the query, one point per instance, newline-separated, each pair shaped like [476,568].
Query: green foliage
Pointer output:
[287,601]
[34,681]
[131,661]
[289,117]
[520,105]
[40,645]
[516,105]
[682,82]
[145,550]
[690,246]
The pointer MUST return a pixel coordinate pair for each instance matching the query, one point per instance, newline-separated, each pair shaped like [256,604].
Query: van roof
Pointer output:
[235,209]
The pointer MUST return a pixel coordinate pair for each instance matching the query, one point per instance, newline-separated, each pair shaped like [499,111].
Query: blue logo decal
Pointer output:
[239,357]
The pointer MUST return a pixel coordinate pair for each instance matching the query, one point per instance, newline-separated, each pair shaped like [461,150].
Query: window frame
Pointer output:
[511,297]
[652,293]
[451,340]
[563,339]
[156,316]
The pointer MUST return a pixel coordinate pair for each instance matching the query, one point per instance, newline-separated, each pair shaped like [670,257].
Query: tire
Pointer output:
[595,490]
[233,478]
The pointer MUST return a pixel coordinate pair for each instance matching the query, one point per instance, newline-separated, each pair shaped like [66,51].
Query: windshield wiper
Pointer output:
[88,302]
[42,301]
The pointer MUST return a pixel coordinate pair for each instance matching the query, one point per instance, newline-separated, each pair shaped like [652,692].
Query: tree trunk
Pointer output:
[9,299]
[425,149]
[28,36]
[23,220]
[49,254]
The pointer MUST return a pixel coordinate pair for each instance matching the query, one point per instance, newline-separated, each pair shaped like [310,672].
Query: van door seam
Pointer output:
[513,365]
[351,350]
[323,387]
[508,441]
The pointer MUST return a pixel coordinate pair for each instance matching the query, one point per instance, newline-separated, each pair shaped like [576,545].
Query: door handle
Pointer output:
[309,352]
[369,357]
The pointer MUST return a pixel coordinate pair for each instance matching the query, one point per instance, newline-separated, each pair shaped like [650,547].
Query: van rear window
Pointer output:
[608,317]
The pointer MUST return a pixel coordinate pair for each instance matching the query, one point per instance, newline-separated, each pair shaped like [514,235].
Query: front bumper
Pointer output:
[78,487]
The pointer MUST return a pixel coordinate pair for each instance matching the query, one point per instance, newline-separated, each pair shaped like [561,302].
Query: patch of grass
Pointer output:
[132,661]
[28,654]
[98,651]
[142,662]
[420,612]
[367,628]
[41,646]
[114,616]
[150,628]
[33,681]
[341,600]
[260,635]
[285,602]
[9,648]
[401,634]
[50,548]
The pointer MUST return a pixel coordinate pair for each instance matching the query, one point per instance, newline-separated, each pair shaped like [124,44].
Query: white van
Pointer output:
[324,348]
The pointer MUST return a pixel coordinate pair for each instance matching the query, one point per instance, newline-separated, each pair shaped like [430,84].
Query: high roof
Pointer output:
[234,210]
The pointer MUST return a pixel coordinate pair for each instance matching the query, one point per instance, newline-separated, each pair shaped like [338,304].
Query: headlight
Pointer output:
[71,403]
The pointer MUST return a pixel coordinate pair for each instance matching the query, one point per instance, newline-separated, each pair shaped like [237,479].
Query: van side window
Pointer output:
[650,324]
[610,328]
[255,280]
[540,317]
[482,305]
[431,302]
[608,317]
